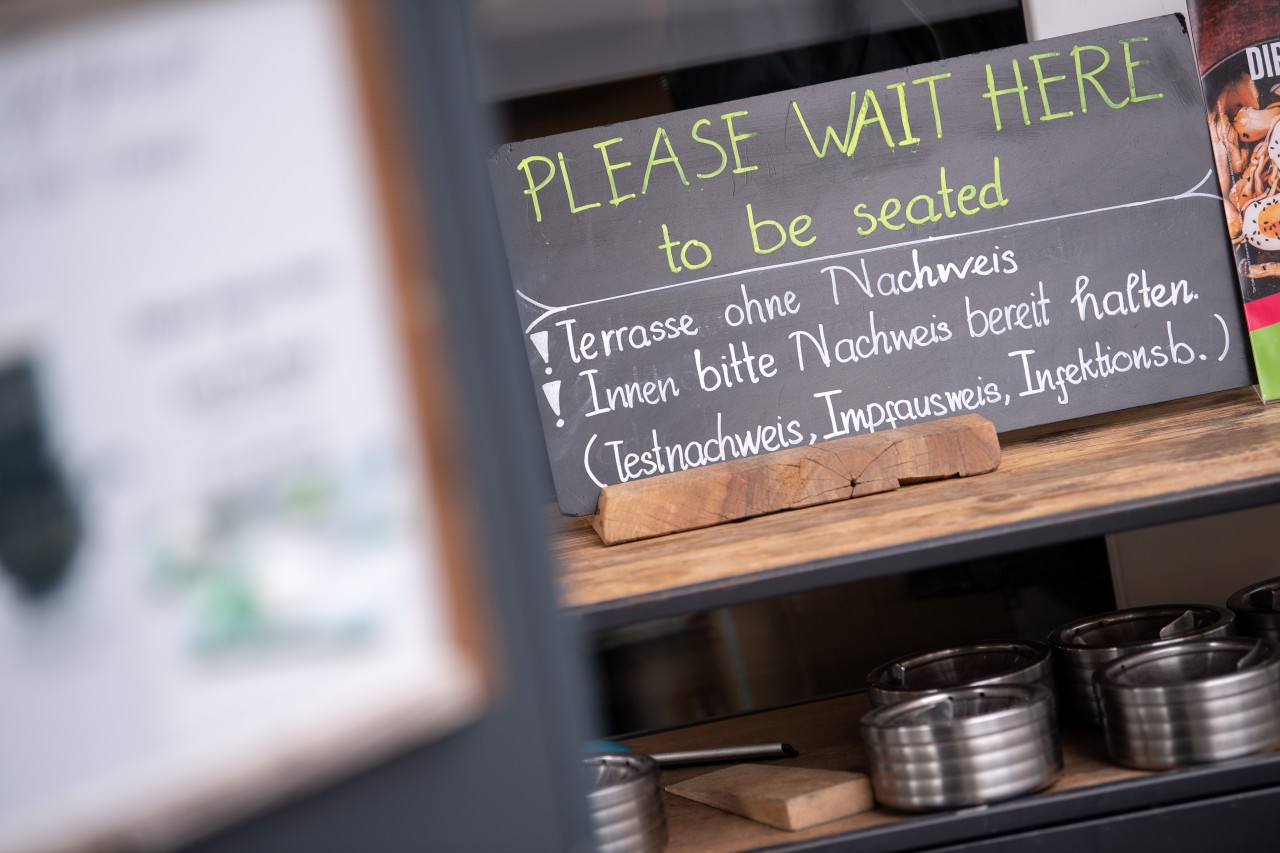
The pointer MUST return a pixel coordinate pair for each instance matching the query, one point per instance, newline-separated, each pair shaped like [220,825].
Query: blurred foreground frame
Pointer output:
[383,293]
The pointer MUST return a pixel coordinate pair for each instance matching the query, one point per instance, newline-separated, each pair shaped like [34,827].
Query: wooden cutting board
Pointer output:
[784,797]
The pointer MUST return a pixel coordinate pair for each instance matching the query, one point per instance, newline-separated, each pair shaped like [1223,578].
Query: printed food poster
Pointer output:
[1238,48]
[218,555]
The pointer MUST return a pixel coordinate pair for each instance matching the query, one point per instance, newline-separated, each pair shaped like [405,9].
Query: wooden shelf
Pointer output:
[826,735]
[1130,469]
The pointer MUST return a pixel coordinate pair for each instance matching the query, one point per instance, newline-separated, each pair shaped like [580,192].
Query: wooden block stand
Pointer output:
[804,476]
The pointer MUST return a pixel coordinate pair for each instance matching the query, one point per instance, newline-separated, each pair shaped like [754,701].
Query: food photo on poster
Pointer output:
[1236,46]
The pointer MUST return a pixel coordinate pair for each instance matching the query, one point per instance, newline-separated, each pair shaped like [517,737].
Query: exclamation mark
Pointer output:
[540,344]
[552,392]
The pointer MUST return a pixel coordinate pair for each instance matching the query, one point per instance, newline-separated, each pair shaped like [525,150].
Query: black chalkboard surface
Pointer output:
[1032,234]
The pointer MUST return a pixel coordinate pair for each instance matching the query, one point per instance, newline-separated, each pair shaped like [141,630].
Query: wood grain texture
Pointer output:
[789,798]
[826,735]
[798,477]
[1091,469]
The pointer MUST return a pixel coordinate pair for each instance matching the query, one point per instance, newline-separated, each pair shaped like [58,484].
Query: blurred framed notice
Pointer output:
[231,565]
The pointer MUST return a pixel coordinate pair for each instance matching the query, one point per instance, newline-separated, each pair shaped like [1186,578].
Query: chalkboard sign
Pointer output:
[1032,234]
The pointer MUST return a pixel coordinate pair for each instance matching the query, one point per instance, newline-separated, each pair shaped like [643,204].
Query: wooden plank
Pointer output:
[826,735]
[1157,454]
[803,476]
[788,798]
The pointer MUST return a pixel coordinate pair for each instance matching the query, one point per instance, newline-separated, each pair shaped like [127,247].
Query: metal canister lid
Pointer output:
[1194,671]
[961,713]
[1257,609]
[1261,597]
[1109,634]
[614,778]
[991,662]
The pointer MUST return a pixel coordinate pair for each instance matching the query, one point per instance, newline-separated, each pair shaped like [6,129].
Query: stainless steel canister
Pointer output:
[624,800]
[1081,647]
[1257,610]
[992,662]
[1199,701]
[963,747]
